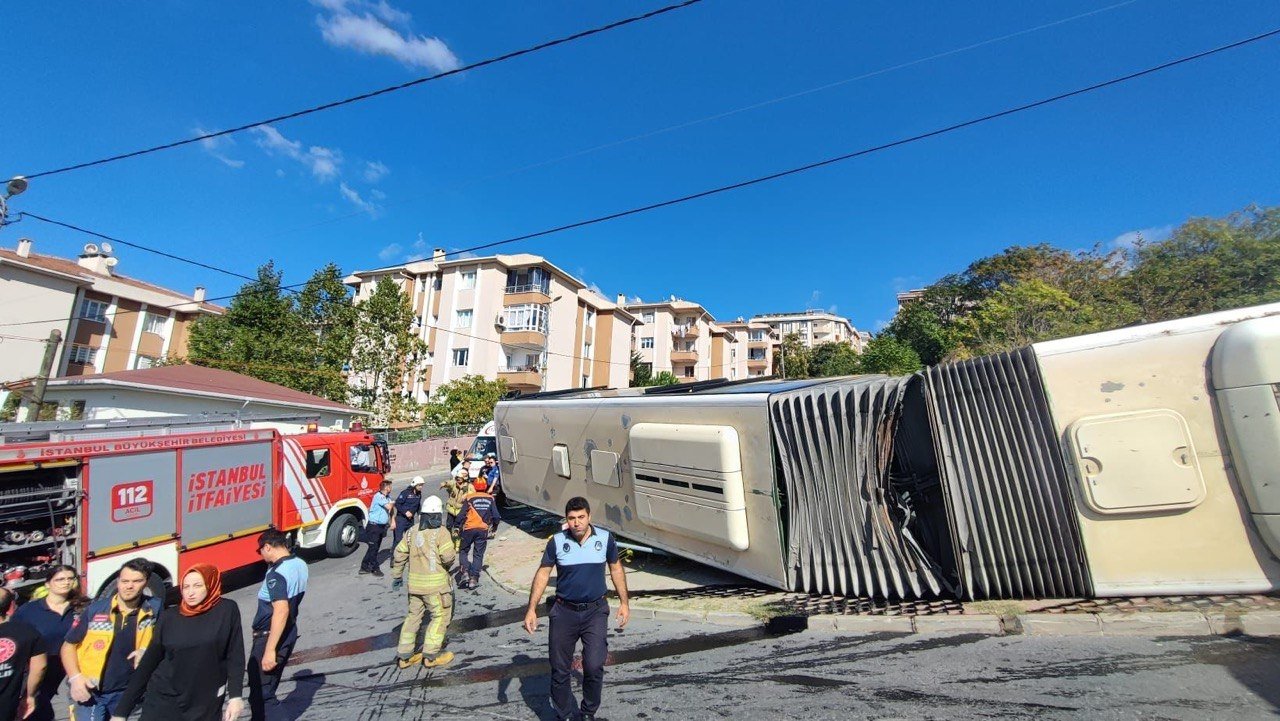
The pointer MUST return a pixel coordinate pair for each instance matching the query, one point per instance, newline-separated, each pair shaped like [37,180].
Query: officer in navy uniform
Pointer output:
[580,554]
[275,625]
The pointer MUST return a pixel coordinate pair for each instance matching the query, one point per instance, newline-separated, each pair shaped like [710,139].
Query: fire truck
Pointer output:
[178,495]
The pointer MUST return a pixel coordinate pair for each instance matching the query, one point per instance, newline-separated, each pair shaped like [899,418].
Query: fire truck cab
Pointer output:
[178,497]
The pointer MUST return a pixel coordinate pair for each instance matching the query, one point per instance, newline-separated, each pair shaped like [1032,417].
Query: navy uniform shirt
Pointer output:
[580,567]
[286,581]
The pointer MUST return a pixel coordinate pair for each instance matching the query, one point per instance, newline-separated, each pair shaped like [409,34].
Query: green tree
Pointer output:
[664,378]
[386,354]
[641,372]
[927,326]
[793,357]
[1208,264]
[259,335]
[467,400]
[1025,312]
[889,355]
[834,359]
[325,310]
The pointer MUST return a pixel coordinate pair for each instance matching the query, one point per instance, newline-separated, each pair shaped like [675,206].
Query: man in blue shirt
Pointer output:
[275,629]
[492,474]
[580,554]
[407,505]
[379,516]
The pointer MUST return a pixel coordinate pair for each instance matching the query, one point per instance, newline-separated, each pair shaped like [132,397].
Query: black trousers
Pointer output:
[471,551]
[589,624]
[262,684]
[373,535]
[402,525]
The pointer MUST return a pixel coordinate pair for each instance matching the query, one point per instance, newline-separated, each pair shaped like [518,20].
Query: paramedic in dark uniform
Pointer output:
[580,554]
[275,626]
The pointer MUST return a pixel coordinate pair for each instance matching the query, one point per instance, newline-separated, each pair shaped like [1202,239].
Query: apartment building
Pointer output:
[682,338]
[760,339]
[516,317]
[109,322]
[814,327]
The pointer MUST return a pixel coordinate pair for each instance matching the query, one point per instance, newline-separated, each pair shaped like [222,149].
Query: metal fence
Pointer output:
[423,433]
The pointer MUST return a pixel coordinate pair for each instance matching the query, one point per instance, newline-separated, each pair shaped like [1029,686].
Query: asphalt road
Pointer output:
[344,669]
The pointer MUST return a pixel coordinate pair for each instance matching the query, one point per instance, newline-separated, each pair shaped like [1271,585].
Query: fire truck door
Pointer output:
[131,501]
[362,475]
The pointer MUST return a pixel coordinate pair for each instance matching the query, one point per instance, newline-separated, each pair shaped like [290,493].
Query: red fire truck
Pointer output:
[178,498]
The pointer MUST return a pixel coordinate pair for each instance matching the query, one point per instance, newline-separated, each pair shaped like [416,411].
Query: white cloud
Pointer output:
[324,163]
[382,9]
[279,172]
[375,171]
[370,33]
[217,147]
[390,251]
[377,194]
[1149,235]
[354,198]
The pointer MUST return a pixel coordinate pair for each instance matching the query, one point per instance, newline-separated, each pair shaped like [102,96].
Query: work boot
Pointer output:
[377,572]
[364,570]
[441,659]
[474,583]
[413,660]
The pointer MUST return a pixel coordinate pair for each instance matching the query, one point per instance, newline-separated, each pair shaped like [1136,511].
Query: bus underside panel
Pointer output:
[851,529]
[1014,525]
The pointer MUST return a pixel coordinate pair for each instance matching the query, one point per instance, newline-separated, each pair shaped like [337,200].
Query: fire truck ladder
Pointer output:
[57,431]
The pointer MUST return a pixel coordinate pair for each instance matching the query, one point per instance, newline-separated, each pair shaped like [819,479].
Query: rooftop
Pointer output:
[201,381]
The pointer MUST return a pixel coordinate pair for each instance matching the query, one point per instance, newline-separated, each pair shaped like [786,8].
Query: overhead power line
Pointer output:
[818,164]
[373,93]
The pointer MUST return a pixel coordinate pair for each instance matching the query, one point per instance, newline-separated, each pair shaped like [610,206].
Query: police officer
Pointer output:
[428,552]
[580,554]
[407,505]
[275,625]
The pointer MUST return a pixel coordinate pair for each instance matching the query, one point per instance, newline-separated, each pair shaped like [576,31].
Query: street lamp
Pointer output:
[17,185]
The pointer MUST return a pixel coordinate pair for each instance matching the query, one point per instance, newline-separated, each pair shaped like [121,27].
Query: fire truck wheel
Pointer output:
[343,537]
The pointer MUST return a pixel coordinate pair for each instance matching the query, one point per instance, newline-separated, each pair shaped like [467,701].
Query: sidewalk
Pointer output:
[671,588]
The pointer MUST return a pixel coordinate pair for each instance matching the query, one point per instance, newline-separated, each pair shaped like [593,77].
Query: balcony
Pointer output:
[535,293]
[761,342]
[684,356]
[524,378]
[524,338]
[757,363]
[685,331]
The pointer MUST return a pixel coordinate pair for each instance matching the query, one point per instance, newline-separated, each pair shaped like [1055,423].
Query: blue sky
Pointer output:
[516,148]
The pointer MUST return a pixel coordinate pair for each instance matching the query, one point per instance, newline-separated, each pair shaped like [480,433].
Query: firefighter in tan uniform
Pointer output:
[427,549]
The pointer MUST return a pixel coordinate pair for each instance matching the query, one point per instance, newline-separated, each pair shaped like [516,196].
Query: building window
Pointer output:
[586,381]
[529,316]
[94,310]
[152,323]
[646,341]
[756,335]
[145,361]
[462,319]
[467,280]
[647,317]
[688,371]
[461,356]
[528,280]
[83,355]
[590,317]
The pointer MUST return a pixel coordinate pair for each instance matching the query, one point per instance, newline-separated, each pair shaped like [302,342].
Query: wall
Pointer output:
[26,296]
[431,454]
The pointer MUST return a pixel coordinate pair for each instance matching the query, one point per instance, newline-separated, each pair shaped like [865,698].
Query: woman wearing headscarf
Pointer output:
[195,660]
[51,612]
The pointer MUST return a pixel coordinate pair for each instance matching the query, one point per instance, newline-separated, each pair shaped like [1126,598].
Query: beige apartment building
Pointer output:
[109,322]
[682,338]
[760,339]
[814,327]
[516,317]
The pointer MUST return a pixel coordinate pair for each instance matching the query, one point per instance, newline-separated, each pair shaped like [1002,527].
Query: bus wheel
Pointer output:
[343,536]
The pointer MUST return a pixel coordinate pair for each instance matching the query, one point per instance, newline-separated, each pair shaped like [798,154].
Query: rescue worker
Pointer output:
[107,640]
[580,554]
[492,474]
[427,551]
[407,505]
[458,489]
[479,518]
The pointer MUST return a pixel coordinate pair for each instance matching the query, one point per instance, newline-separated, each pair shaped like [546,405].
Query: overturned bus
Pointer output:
[1139,461]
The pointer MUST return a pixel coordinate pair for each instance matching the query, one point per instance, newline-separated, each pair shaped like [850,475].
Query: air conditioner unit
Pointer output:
[500,322]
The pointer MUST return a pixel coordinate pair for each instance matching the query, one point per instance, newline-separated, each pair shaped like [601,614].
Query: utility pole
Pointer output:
[46,367]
